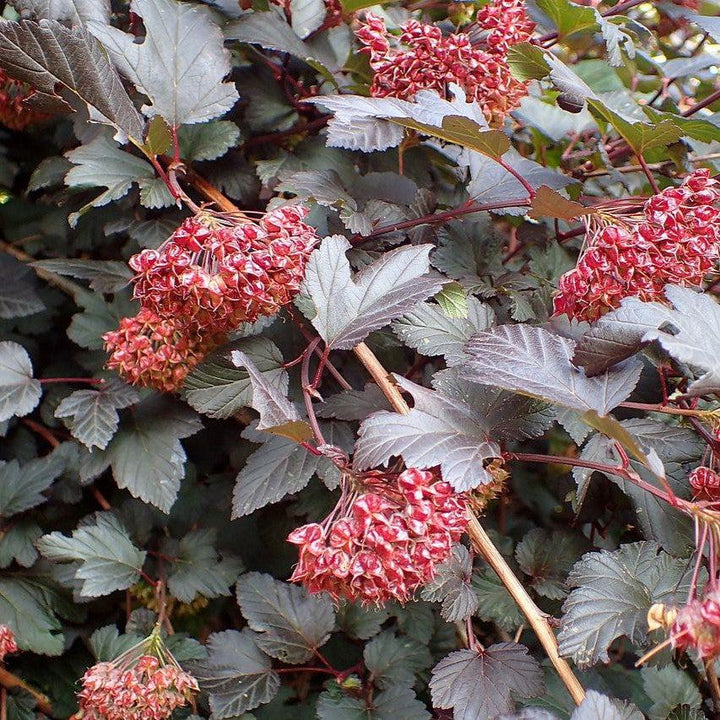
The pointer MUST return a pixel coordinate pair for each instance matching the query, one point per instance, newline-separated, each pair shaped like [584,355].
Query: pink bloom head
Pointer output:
[7,642]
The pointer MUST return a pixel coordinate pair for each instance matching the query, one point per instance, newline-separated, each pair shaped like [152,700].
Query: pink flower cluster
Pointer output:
[207,278]
[431,61]
[705,483]
[147,690]
[675,241]
[697,626]
[383,543]
[7,642]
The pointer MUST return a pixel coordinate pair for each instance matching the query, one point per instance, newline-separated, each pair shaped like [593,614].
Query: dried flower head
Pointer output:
[427,60]
[697,626]
[705,483]
[383,541]
[145,683]
[7,642]
[674,240]
[14,112]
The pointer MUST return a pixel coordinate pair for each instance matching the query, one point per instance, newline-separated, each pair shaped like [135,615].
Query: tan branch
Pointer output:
[11,682]
[484,545]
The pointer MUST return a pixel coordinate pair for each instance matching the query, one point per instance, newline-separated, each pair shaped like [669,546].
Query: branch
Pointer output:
[12,682]
[482,543]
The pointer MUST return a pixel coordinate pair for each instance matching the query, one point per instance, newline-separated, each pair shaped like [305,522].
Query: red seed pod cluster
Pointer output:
[7,642]
[697,626]
[427,60]
[676,240]
[384,543]
[705,483]
[207,278]
[146,690]
[14,112]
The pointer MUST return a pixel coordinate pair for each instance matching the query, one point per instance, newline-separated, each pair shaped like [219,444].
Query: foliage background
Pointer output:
[106,491]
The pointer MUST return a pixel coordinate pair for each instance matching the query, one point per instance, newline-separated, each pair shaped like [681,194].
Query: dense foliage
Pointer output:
[359,361]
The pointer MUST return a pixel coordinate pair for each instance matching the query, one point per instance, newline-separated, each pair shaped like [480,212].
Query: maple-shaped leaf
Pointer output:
[395,703]
[18,297]
[479,684]
[613,593]
[19,391]
[395,659]
[179,64]
[55,59]
[91,415]
[291,624]
[197,570]
[451,586]
[108,560]
[437,431]
[237,675]
[348,308]
[533,361]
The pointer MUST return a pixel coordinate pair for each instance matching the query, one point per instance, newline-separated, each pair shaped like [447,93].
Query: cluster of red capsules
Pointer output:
[147,690]
[208,277]
[697,626]
[705,482]
[675,240]
[428,60]
[7,642]
[382,543]
[15,114]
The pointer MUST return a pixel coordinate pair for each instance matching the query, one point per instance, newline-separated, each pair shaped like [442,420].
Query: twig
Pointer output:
[648,174]
[538,621]
[10,682]
[709,100]
[657,407]
[712,679]
[483,544]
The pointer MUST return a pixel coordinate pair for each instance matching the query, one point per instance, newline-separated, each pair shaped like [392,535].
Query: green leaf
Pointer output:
[695,127]
[146,455]
[640,136]
[108,559]
[291,624]
[22,487]
[431,331]
[196,569]
[18,297]
[395,660]
[218,388]
[527,62]
[361,622]
[547,559]
[453,300]
[17,543]
[52,58]
[451,586]
[494,602]
[237,675]
[277,468]
[613,593]
[27,610]
[207,141]
[105,276]
[91,415]
[158,139]
[669,688]
[101,163]
[347,308]
[106,643]
[19,392]
[395,703]
[180,64]
[568,17]
[480,684]
[462,131]
[596,706]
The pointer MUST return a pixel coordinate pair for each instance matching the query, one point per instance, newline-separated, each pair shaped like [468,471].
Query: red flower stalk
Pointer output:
[7,642]
[382,542]
[675,240]
[431,61]
[145,683]
[14,112]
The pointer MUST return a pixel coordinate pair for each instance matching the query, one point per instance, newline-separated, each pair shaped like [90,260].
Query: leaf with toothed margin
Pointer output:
[437,431]
[348,308]
[19,391]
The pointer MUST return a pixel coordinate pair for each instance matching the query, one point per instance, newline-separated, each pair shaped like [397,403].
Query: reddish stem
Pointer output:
[88,381]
